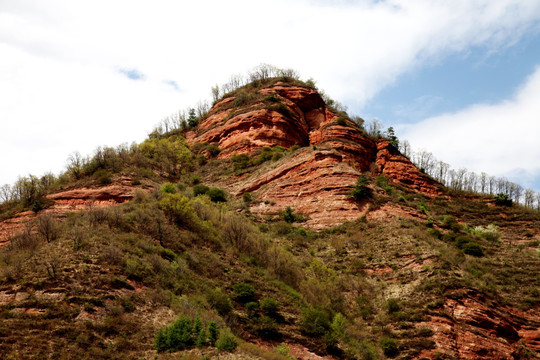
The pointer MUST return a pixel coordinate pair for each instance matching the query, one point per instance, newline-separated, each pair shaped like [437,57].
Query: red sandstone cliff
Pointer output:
[316,181]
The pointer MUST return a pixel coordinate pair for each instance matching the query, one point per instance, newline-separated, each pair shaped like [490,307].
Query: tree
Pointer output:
[75,163]
[192,118]
[373,128]
[392,138]
[216,93]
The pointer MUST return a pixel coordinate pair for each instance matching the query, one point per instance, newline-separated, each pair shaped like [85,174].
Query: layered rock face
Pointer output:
[317,180]
[470,327]
[66,201]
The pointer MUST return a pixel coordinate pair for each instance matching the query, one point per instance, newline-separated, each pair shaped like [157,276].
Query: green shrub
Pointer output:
[490,233]
[177,336]
[389,347]
[240,161]
[200,189]
[269,306]
[361,190]
[392,305]
[213,332]
[103,177]
[314,321]
[213,150]
[502,199]
[289,216]
[168,188]
[219,301]
[244,292]
[226,341]
[247,197]
[217,195]
[473,249]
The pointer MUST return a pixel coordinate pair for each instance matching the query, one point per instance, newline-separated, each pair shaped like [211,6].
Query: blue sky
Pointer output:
[455,82]
[459,78]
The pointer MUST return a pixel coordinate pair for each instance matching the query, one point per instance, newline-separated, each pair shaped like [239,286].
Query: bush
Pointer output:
[473,249]
[244,292]
[269,306]
[177,336]
[240,161]
[103,177]
[217,195]
[247,197]
[213,332]
[219,301]
[490,233]
[168,188]
[392,306]
[213,150]
[226,341]
[315,321]
[389,347]
[200,189]
[502,199]
[361,190]
[289,216]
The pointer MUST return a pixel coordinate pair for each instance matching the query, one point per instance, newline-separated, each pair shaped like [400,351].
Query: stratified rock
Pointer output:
[315,183]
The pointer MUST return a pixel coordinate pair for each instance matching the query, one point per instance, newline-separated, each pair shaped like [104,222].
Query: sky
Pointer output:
[458,78]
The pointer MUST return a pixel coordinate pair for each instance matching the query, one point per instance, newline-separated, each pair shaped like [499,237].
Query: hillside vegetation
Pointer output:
[186,270]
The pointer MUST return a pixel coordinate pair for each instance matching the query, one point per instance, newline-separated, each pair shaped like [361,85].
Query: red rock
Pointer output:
[391,163]
[66,201]
[315,183]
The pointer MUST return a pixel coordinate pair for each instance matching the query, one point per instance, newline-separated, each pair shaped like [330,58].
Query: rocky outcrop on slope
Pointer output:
[470,327]
[397,167]
[317,181]
[66,201]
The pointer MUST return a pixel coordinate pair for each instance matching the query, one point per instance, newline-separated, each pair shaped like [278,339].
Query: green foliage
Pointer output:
[289,216]
[315,321]
[341,121]
[361,190]
[240,161]
[213,332]
[391,137]
[177,336]
[423,207]
[179,209]
[450,222]
[103,177]
[168,188]
[213,150]
[244,292]
[490,232]
[269,306]
[284,350]
[389,347]
[392,305]
[219,301]
[217,194]
[247,197]
[468,245]
[200,189]
[226,341]
[168,155]
[473,249]
[502,199]
[192,120]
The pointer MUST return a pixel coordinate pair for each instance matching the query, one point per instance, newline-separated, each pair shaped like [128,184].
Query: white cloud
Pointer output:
[61,88]
[500,139]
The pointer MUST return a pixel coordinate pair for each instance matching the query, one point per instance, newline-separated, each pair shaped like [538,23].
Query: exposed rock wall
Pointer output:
[317,181]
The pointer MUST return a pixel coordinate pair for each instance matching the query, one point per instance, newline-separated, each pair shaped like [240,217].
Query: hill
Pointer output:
[269,226]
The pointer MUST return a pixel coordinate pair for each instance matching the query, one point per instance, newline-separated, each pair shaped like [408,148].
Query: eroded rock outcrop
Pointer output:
[470,327]
[317,180]
[66,201]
